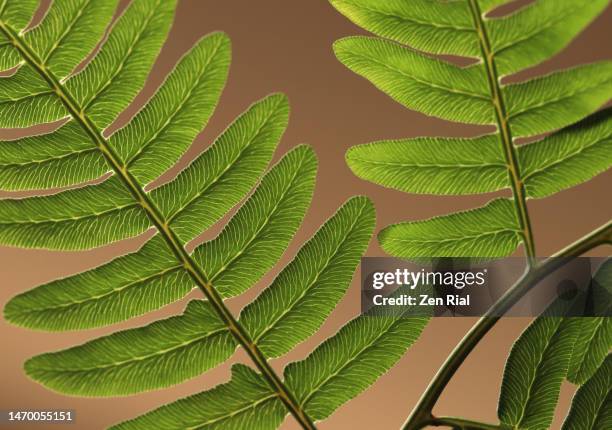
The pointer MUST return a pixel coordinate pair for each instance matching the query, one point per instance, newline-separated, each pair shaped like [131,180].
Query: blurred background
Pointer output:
[286,46]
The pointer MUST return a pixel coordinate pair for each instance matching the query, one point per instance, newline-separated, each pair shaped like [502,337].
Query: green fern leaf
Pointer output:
[246,402]
[126,287]
[162,131]
[538,31]
[307,290]
[419,82]
[151,278]
[557,100]
[428,26]
[30,110]
[17,15]
[489,231]
[161,354]
[432,165]
[114,76]
[69,31]
[350,361]
[23,83]
[76,219]
[178,349]
[579,149]
[504,44]
[239,256]
[536,367]
[568,157]
[222,175]
[595,335]
[52,82]
[592,404]
[593,344]
[58,159]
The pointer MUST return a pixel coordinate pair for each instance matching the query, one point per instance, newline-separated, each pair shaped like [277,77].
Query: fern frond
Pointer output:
[118,71]
[163,130]
[350,361]
[404,62]
[557,100]
[502,45]
[51,82]
[158,355]
[303,295]
[69,30]
[17,15]
[428,26]
[126,287]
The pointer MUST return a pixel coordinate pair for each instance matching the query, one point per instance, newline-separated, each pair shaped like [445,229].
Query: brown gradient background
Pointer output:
[286,46]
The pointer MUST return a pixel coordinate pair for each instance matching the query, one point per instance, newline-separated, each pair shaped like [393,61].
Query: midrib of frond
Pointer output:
[162,225]
[510,153]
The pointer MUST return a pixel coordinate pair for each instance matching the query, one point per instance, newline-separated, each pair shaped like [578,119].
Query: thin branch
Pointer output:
[162,225]
[516,182]
[422,412]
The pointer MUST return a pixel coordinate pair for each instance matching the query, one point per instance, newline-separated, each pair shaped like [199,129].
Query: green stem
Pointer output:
[460,423]
[501,117]
[162,225]
[422,412]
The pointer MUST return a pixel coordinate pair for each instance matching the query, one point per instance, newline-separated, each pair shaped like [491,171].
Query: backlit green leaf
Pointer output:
[489,231]
[260,231]
[163,130]
[17,14]
[76,219]
[68,32]
[114,76]
[435,27]
[559,99]
[163,353]
[432,165]
[245,402]
[594,340]
[592,405]
[24,82]
[9,57]
[127,286]
[223,174]
[536,368]
[307,290]
[569,157]
[539,31]
[349,362]
[32,109]
[431,86]
[63,157]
